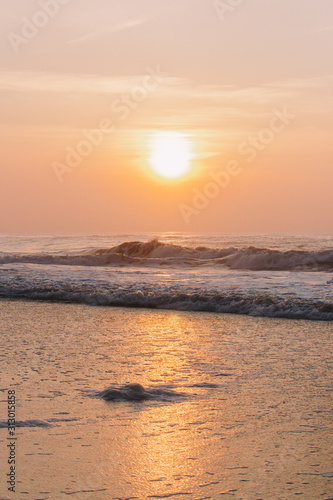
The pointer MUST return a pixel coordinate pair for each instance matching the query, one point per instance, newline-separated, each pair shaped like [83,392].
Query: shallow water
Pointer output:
[252,420]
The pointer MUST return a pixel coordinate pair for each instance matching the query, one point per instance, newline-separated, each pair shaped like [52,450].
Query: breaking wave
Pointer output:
[155,253]
[252,304]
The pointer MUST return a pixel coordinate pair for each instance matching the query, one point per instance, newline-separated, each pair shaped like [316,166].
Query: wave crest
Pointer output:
[252,304]
[155,253]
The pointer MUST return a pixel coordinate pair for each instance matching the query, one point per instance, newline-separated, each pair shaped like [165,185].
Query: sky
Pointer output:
[87,87]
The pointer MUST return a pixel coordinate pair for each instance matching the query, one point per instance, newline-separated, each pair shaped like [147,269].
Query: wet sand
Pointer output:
[244,413]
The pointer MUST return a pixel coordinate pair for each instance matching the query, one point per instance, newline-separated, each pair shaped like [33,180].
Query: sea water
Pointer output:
[287,276]
[131,381]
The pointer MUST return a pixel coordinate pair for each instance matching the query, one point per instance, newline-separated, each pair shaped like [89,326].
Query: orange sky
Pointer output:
[84,85]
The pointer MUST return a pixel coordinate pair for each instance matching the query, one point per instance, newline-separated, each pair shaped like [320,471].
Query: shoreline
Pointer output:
[254,421]
[162,308]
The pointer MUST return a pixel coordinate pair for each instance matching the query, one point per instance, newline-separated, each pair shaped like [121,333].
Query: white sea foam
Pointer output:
[136,392]
[258,304]
[49,422]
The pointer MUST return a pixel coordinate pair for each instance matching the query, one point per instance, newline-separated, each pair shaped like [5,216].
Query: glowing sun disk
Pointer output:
[171,154]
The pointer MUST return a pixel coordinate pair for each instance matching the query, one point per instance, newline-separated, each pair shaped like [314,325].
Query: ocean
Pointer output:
[286,276]
[173,366]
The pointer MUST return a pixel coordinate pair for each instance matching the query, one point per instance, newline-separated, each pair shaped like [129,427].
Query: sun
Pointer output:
[170,154]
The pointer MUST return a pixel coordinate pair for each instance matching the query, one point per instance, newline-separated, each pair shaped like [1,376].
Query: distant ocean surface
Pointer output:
[282,276]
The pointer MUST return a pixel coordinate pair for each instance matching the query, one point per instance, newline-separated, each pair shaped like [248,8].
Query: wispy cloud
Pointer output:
[325,28]
[29,81]
[179,100]
[316,82]
[177,90]
[25,81]
[129,23]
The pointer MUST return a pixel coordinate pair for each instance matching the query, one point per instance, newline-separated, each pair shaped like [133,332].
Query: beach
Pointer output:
[241,407]
[166,250]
